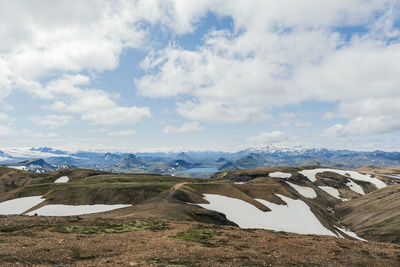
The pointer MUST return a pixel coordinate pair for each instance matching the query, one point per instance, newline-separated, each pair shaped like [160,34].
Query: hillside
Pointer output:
[11,179]
[375,216]
[321,208]
[128,241]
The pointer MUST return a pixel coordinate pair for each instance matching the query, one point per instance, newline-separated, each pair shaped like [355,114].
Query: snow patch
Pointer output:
[395,176]
[62,179]
[19,205]
[70,210]
[305,191]
[295,217]
[21,168]
[27,153]
[351,234]
[283,175]
[310,174]
[355,187]
[333,192]
[238,182]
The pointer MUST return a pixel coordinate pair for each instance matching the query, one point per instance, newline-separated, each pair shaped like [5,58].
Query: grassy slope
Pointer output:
[150,194]
[375,216]
[91,187]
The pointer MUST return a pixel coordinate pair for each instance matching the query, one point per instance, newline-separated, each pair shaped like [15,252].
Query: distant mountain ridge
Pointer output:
[160,162]
[33,165]
[131,161]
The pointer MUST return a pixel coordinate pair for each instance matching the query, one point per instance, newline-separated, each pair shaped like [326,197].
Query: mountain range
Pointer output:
[172,163]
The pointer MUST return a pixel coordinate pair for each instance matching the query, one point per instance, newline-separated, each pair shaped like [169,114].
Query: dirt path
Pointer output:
[178,186]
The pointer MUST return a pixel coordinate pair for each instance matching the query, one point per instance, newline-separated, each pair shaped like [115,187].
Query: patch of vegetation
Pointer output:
[150,187]
[199,234]
[9,228]
[77,254]
[86,256]
[44,180]
[32,190]
[9,187]
[133,178]
[204,185]
[111,228]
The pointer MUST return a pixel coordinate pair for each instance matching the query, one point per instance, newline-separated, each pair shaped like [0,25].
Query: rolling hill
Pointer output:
[324,204]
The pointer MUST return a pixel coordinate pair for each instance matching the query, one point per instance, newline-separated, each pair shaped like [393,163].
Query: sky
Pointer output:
[144,75]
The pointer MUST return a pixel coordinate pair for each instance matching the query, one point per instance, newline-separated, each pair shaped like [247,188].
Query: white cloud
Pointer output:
[6,125]
[185,127]
[278,53]
[281,53]
[36,135]
[44,40]
[288,115]
[93,105]
[364,125]
[68,36]
[302,124]
[268,138]
[3,117]
[52,121]
[297,124]
[6,130]
[46,135]
[122,133]
[290,119]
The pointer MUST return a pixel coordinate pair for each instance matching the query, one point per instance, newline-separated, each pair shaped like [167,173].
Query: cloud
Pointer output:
[45,40]
[32,134]
[6,130]
[3,117]
[6,125]
[92,105]
[288,115]
[122,133]
[364,126]
[52,121]
[290,119]
[185,127]
[266,138]
[277,56]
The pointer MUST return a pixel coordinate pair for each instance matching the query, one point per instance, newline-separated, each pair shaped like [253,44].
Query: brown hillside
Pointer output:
[375,216]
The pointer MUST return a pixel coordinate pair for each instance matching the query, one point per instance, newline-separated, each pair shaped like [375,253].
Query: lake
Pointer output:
[200,170]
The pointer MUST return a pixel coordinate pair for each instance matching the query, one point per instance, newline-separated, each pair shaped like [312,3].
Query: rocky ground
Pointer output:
[97,241]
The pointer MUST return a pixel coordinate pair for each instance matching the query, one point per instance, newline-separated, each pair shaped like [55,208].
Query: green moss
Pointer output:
[115,228]
[204,186]
[43,180]
[133,185]
[86,256]
[32,190]
[132,178]
[196,234]
[9,228]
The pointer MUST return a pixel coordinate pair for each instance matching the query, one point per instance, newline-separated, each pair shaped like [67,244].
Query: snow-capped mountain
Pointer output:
[158,162]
